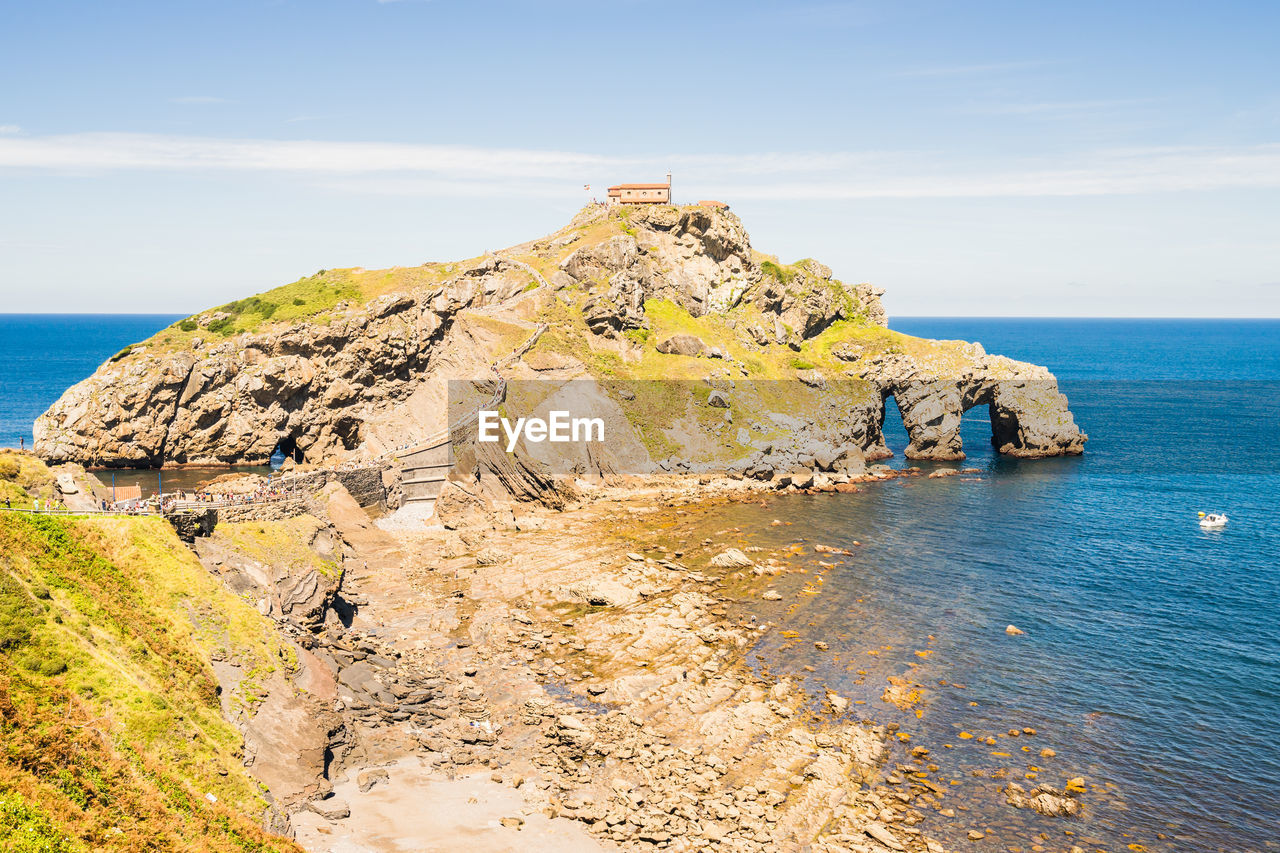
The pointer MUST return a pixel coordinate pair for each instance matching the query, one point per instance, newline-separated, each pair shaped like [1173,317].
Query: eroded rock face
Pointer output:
[351,384]
[306,388]
[1029,415]
[300,592]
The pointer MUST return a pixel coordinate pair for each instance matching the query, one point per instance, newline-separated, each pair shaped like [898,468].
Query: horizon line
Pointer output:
[891,316]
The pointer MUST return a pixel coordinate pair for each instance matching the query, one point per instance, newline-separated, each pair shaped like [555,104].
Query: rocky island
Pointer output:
[557,658]
[349,364]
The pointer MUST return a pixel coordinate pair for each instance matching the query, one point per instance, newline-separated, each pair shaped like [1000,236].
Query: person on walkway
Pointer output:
[6,504]
[35,505]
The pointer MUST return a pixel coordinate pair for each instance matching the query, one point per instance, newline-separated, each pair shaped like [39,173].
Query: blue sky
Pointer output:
[976,158]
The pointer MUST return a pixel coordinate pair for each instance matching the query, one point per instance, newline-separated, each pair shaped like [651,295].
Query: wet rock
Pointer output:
[731,559]
[1042,799]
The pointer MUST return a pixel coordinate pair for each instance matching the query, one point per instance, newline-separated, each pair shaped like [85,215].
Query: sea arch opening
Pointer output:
[937,420]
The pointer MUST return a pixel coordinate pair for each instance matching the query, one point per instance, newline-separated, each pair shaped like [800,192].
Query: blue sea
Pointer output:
[1151,659]
[45,354]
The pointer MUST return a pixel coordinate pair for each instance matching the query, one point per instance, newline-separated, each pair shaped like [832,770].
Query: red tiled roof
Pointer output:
[707,202]
[128,493]
[640,187]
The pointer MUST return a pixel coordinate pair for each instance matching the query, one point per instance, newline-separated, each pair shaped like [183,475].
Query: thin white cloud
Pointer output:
[103,151]
[1058,109]
[198,99]
[969,70]
[9,129]
[374,167]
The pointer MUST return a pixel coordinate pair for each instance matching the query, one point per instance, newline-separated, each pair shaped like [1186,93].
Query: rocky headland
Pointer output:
[350,364]
[561,663]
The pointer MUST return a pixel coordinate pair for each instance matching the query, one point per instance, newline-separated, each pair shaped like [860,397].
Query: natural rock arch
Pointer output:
[1029,418]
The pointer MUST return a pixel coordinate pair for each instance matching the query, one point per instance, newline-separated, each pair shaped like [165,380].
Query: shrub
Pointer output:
[801,364]
[124,352]
[18,614]
[44,661]
[223,326]
[777,272]
[9,468]
[298,300]
[28,829]
[188,325]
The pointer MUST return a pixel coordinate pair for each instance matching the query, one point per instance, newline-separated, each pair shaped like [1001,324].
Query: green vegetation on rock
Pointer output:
[110,714]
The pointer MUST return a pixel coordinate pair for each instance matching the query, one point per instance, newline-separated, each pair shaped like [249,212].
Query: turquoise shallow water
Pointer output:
[1151,662]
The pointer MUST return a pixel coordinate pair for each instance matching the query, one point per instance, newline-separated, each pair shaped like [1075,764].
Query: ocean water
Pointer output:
[45,354]
[1151,659]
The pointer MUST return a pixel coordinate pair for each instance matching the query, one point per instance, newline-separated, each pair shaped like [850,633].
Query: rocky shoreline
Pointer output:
[589,669]
[560,641]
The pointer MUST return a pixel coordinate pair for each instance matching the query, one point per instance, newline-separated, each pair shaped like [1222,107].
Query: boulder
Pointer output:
[682,345]
[367,779]
[599,592]
[332,808]
[731,559]
[1043,799]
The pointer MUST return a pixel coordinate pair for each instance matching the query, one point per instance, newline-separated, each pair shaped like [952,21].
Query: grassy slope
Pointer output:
[311,298]
[23,477]
[314,298]
[109,711]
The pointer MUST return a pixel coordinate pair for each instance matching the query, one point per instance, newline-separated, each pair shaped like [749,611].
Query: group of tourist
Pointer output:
[265,492]
[50,505]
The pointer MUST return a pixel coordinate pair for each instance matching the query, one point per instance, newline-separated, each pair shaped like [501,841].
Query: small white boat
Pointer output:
[1213,520]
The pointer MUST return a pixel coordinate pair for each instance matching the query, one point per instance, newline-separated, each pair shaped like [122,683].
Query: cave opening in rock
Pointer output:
[893,429]
[938,420]
[286,448]
[978,430]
